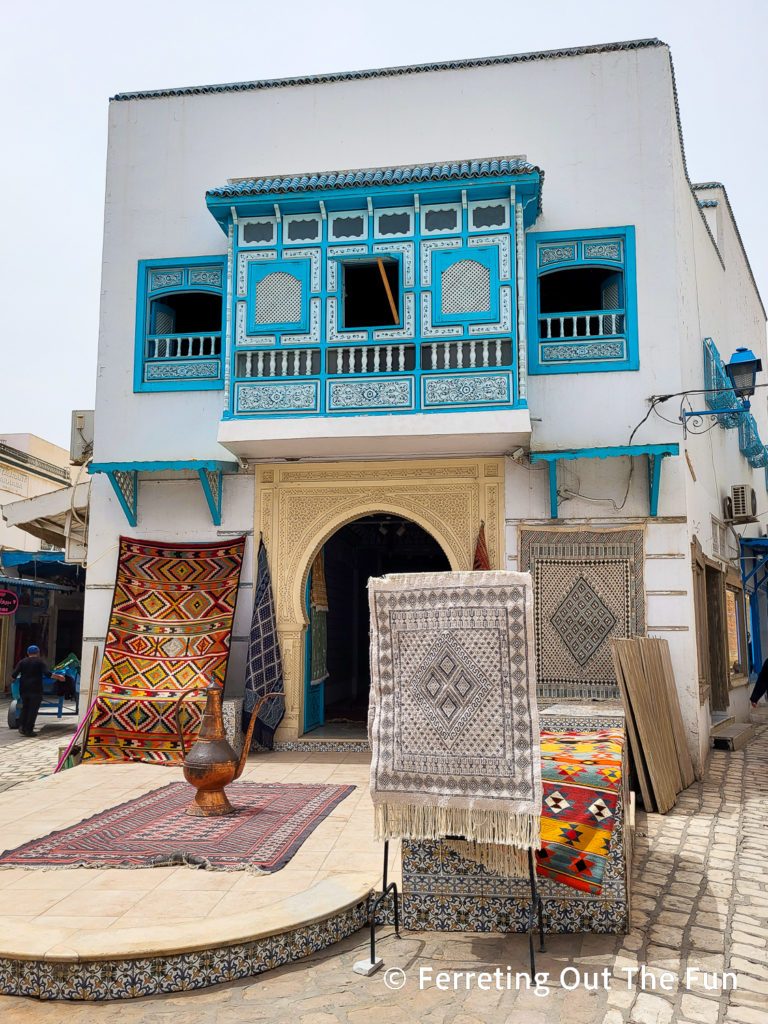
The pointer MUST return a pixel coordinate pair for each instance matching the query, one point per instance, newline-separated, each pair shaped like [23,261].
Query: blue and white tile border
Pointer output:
[128,978]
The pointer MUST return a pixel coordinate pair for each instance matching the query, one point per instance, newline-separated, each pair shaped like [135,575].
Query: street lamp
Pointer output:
[742,370]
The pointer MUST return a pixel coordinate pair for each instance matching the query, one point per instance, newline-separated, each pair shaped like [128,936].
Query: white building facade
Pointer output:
[465,327]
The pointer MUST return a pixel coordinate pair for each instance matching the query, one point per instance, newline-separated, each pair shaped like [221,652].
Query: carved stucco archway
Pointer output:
[299,507]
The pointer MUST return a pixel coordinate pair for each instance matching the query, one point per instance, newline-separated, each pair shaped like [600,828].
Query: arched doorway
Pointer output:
[336,705]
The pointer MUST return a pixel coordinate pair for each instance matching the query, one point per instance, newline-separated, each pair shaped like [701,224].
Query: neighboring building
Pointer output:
[371,362]
[49,597]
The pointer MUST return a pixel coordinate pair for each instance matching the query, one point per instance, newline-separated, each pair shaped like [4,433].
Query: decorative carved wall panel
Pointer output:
[298,508]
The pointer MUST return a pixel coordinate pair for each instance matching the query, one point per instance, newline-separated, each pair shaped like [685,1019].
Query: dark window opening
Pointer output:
[366,302]
[583,289]
[186,313]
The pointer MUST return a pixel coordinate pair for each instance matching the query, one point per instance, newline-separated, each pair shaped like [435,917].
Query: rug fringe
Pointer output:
[416,821]
[509,861]
[189,860]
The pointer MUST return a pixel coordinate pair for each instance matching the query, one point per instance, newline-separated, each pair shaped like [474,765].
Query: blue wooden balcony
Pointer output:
[453,375]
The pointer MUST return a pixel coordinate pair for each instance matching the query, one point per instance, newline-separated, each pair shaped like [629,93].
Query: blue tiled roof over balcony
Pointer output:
[378,176]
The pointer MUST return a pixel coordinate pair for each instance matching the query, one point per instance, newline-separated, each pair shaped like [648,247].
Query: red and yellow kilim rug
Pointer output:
[169,628]
[581,775]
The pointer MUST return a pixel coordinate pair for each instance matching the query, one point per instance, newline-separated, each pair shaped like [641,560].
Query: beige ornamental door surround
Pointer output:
[299,507]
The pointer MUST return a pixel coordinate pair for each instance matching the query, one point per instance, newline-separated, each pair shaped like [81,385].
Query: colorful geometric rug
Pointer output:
[271,822]
[454,727]
[169,628]
[588,587]
[581,773]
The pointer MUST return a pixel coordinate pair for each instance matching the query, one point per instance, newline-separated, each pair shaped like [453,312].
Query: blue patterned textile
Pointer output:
[264,667]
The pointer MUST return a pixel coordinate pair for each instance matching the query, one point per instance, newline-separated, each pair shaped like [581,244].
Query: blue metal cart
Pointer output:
[53,705]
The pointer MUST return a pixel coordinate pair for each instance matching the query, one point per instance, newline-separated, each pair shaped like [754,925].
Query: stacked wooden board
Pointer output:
[654,722]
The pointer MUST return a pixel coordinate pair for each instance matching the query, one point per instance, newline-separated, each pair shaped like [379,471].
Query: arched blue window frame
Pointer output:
[197,364]
[550,251]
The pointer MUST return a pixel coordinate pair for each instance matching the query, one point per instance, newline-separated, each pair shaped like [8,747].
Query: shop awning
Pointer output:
[124,477]
[655,452]
[59,518]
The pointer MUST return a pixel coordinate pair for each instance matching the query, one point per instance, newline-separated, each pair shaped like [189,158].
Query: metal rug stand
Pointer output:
[535,911]
[368,967]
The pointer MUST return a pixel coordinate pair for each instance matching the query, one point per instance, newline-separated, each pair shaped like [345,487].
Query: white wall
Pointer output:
[586,120]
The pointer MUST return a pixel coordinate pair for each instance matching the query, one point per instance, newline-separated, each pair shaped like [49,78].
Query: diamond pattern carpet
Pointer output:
[271,822]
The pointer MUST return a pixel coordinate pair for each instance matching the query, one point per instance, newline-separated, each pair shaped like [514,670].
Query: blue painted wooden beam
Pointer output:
[223,466]
[606,453]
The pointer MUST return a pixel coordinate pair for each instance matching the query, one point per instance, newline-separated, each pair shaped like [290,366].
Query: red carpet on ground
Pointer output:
[271,822]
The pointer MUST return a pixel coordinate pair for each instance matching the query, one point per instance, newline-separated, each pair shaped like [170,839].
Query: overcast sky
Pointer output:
[60,62]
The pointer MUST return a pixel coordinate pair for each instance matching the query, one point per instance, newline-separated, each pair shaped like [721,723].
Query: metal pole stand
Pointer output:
[536,910]
[368,967]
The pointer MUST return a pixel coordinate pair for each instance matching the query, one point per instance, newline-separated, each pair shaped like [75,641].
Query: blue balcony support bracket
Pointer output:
[211,481]
[654,479]
[655,452]
[126,487]
[124,477]
[553,489]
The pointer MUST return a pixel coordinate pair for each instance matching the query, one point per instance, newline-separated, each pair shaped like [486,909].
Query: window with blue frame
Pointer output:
[179,324]
[582,301]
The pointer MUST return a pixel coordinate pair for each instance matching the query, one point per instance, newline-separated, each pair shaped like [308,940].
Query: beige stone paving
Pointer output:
[341,846]
[699,874]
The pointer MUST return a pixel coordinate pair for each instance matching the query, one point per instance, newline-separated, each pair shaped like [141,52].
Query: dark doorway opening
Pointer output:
[372,546]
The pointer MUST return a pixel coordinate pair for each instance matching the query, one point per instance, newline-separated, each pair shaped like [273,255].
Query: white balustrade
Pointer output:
[293,362]
[183,346]
[581,325]
[459,355]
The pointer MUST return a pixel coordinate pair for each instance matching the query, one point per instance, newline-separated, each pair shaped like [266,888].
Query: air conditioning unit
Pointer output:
[741,506]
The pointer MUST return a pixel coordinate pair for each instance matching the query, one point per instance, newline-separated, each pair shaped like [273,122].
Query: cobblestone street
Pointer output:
[697,952]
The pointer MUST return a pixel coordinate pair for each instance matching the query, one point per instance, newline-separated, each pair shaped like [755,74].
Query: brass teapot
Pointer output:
[211,763]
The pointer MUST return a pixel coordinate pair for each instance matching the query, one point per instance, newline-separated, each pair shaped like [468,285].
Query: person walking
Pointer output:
[30,672]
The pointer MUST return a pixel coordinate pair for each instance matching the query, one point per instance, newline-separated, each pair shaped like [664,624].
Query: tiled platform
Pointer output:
[95,934]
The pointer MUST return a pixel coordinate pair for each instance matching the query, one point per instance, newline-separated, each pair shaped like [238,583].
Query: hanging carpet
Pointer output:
[453,724]
[270,823]
[169,629]
[588,587]
[264,666]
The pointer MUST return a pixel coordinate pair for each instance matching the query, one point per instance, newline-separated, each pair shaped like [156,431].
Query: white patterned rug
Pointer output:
[588,588]
[453,720]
